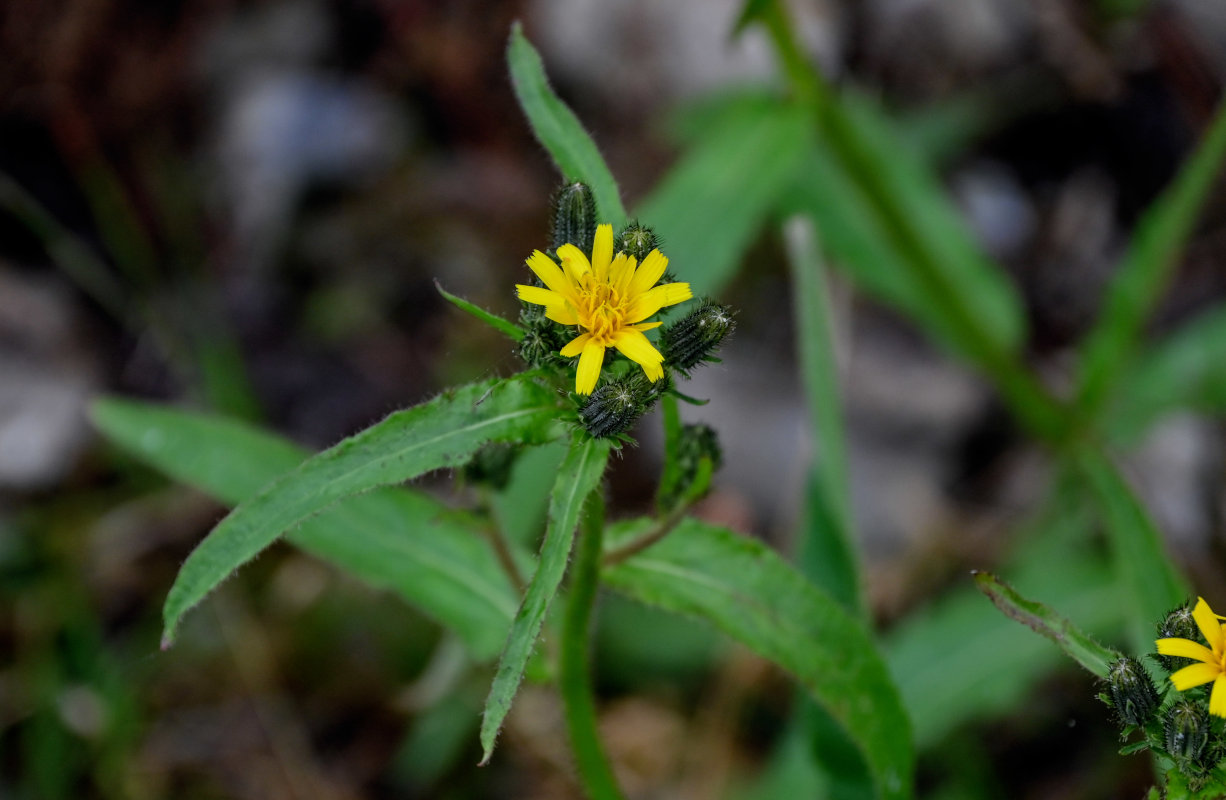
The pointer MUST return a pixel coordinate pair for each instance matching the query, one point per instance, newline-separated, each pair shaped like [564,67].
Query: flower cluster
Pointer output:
[607,298]
[596,296]
[1176,716]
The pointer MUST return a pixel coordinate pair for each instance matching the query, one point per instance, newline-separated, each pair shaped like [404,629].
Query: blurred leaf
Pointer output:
[688,124]
[558,130]
[924,225]
[886,220]
[437,741]
[578,476]
[1186,370]
[854,235]
[712,204]
[493,320]
[444,432]
[637,644]
[1045,621]
[1147,577]
[519,509]
[957,660]
[78,261]
[789,773]
[752,11]
[1146,268]
[745,590]
[397,539]
[827,554]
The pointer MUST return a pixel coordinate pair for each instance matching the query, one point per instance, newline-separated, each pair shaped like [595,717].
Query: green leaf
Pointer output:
[398,539]
[1186,370]
[1147,577]
[520,508]
[827,554]
[558,130]
[745,590]
[1044,621]
[578,476]
[709,208]
[493,320]
[442,433]
[1147,266]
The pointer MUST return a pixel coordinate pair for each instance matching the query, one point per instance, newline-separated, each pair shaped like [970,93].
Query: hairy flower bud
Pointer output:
[696,444]
[1178,624]
[636,240]
[543,338]
[613,408]
[574,216]
[1132,692]
[695,337]
[1186,731]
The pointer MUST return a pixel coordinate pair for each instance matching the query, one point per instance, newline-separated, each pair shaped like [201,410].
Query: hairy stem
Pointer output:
[574,675]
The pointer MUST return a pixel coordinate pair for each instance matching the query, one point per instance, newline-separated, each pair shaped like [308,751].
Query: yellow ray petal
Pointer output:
[649,303]
[1217,698]
[548,272]
[602,252]
[634,346]
[1195,675]
[575,346]
[574,262]
[589,367]
[653,371]
[649,272]
[1185,648]
[646,326]
[562,312]
[537,295]
[620,273]
[1210,628]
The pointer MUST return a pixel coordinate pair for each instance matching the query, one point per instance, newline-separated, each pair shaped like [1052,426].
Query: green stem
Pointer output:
[574,674]
[662,528]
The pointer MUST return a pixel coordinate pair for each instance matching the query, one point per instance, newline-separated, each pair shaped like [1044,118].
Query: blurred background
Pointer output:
[243,206]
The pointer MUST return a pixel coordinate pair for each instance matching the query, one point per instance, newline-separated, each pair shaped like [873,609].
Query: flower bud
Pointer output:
[574,216]
[1186,733]
[543,338]
[695,337]
[696,444]
[636,240]
[1178,624]
[614,407]
[1132,692]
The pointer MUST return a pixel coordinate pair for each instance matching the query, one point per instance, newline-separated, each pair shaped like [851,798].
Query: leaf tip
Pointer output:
[168,641]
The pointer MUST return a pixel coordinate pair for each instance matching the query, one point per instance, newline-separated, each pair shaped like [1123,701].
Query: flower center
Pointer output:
[601,312]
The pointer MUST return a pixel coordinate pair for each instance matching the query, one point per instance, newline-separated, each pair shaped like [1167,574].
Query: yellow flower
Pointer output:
[1212,666]
[608,298]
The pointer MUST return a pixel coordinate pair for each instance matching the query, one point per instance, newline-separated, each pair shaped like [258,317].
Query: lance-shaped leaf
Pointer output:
[397,539]
[443,432]
[578,476]
[1043,620]
[747,591]
[557,128]
[496,322]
